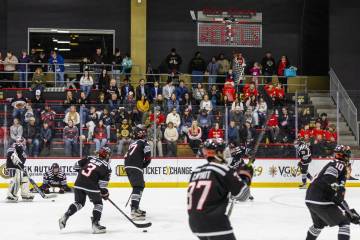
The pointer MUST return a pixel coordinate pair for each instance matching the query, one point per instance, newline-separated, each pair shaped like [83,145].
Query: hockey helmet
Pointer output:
[55,168]
[342,153]
[139,132]
[20,142]
[213,148]
[104,153]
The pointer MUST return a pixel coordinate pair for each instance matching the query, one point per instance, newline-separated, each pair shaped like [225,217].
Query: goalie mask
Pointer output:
[213,149]
[20,142]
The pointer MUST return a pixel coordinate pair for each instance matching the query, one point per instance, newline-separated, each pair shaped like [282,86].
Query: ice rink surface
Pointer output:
[276,214]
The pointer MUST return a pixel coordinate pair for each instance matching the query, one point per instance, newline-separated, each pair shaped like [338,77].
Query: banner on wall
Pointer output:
[176,172]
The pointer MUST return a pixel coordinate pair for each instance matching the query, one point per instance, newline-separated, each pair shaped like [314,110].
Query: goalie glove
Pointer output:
[15,159]
[243,195]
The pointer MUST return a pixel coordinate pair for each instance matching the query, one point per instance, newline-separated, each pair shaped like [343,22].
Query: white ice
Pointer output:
[276,214]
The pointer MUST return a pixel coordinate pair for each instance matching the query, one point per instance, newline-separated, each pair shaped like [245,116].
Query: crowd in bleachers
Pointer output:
[218,102]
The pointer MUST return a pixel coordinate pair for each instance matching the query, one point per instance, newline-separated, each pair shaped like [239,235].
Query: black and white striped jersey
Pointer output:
[19,151]
[328,186]
[304,153]
[94,174]
[208,196]
[52,179]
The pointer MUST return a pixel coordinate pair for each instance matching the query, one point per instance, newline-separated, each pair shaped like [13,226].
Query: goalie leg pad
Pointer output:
[14,185]
[25,188]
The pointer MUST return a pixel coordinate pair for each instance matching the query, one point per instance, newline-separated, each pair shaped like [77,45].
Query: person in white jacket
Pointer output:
[206,104]
[86,83]
[173,117]
[171,136]
[195,134]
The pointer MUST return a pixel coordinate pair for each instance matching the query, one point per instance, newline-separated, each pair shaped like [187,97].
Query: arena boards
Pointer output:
[174,172]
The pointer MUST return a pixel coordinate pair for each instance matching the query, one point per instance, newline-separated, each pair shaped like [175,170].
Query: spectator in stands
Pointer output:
[206,104]
[248,114]
[204,121]
[45,138]
[198,93]
[83,103]
[304,117]
[330,139]
[195,134]
[323,121]
[155,91]
[158,116]
[71,139]
[10,67]
[262,111]
[16,131]
[143,105]
[237,116]
[218,117]
[216,132]
[29,113]
[225,102]
[212,69]
[281,66]
[23,68]
[48,116]
[123,134]
[38,80]
[174,118]
[92,120]
[107,120]
[160,102]
[250,90]
[215,96]
[98,59]
[197,68]
[42,61]
[72,116]
[186,121]
[255,72]
[236,103]
[33,58]
[114,101]
[126,88]
[229,88]
[186,103]
[18,103]
[104,80]
[168,90]
[173,103]
[247,134]
[224,67]
[142,90]
[173,61]
[318,135]
[126,65]
[180,91]
[305,133]
[270,94]
[279,95]
[116,62]
[100,136]
[157,142]
[69,100]
[286,125]
[233,133]
[1,69]
[86,83]
[130,103]
[171,136]
[111,89]
[238,69]
[32,137]
[38,104]
[101,100]
[273,126]
[57,65]
[268,65]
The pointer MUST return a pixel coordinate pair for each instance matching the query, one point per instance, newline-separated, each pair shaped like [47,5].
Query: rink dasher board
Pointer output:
[175,172]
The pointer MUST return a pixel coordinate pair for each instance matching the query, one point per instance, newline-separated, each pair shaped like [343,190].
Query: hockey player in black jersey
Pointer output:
[137,158]
[208,194]
[92,181]
[55,177]
[304,153]
[325,198]
[15,160]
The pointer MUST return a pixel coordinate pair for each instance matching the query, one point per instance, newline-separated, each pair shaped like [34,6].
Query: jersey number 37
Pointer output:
[203,186]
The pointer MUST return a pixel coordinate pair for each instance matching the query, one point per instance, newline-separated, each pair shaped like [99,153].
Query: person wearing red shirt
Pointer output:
[100,136]
[250,91]
[318,140]
[229,89]
[305,133]
[330,136]
[279,95]
[216,132]
[273,126]
[282,65]
[323,121]
[160,118]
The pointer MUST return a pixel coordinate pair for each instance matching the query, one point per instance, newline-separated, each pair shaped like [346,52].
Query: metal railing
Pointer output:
[344,103]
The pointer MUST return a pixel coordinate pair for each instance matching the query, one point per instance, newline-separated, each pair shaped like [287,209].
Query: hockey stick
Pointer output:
[138,225]
[128,200]
[36,187]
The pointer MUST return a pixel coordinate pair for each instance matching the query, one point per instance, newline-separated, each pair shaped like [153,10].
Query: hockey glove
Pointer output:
[61,191]
[353,216]
[146,163]
[243,195]
[104,193]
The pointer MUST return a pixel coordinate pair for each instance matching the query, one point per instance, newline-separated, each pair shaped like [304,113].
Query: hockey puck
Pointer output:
[144,230]
[53,200]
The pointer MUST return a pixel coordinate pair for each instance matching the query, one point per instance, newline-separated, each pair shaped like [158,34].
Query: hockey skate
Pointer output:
[97,228]
[303,186]
[27,198]
[11,199]
[63,220]
[137,214]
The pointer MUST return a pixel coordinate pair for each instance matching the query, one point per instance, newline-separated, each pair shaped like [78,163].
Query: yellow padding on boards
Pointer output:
[185,184]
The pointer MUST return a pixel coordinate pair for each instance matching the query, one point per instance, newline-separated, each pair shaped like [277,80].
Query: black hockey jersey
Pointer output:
[304,153]
[55,179]
[94,174]
[138,155]
[20,151]
[208,194]
[328,187]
